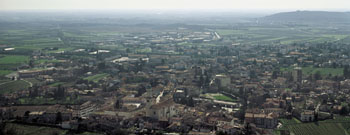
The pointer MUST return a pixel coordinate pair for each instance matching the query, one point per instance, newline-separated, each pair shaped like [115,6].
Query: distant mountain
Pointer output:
[309,17]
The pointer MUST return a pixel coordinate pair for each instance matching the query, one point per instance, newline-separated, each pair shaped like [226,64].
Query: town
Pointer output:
[174,79]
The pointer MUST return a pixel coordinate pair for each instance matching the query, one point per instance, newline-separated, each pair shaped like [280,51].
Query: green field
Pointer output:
[19,129]
[9,62]
[224,98]
[12,86]
[42,61]
[13,59]
[33,130]
[338,126]
[279,34]
[312,70]
[96,77]
[43,100]
[56,84]
[317,129]
[5,72]
[289,121]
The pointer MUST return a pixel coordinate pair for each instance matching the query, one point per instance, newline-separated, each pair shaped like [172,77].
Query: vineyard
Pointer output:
[337,126]
[317,129]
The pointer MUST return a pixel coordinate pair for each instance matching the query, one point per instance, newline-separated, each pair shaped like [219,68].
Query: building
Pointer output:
[162,110]
[262,120]
[297,74]
[86,109]
[307,116]
[223,80]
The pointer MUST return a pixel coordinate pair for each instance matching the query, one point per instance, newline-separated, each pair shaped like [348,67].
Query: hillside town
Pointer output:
[160,84]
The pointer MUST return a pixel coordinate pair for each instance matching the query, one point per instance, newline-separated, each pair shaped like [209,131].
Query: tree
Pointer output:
[101,66]
[317,75]
[58,117]
[344,111]
[346,72]
[118,104]
[274,75]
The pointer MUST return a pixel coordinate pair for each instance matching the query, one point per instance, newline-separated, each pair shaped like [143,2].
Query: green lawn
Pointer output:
[41,61]
[33,130]
[317,129]
[323,71]
[96,77]
[12,86]
[21,129]
[56,84]
[312,70]
[5,72]
[43,100]
[338,126]
[13,59]
[224,98]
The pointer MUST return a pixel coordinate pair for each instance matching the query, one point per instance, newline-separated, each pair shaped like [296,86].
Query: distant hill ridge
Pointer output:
[309,16]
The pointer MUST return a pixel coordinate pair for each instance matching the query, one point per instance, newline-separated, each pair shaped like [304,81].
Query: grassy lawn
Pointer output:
[32,80]
[39,130]
[224,98]
[56,84]
[33,130]
[96,77]
[43,100]
[13,86]
[41,61]
[5,72]
[13,59]
[323,71]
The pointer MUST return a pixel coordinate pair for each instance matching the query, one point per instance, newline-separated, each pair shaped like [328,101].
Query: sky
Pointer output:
[343,5]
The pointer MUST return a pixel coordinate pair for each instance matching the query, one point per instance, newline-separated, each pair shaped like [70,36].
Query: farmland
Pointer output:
[96,77]
[12,86]
[44,100]
[38,130]
[280,34]
[317,129]
[338,126]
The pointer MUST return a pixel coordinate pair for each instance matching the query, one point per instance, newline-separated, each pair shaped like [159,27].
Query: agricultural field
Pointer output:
[289,121]
[96,77]
[33,130]
[21,129]
[338,126]
[323,71]
[280,34]
[11,86]
[10,62]
[317,129]
[5,72]
[13,59]
[43,100]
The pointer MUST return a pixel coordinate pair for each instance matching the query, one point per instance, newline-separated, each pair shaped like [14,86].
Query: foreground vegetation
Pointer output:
[338,126]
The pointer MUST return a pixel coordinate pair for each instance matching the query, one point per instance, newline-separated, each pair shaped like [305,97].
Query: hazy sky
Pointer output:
[176,4]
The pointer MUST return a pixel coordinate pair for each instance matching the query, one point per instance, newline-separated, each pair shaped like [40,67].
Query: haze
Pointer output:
[175,4]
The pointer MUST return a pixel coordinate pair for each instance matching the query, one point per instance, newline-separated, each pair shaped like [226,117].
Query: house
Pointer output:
[86,108]
[262,120]
[162,110]
[307,116]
